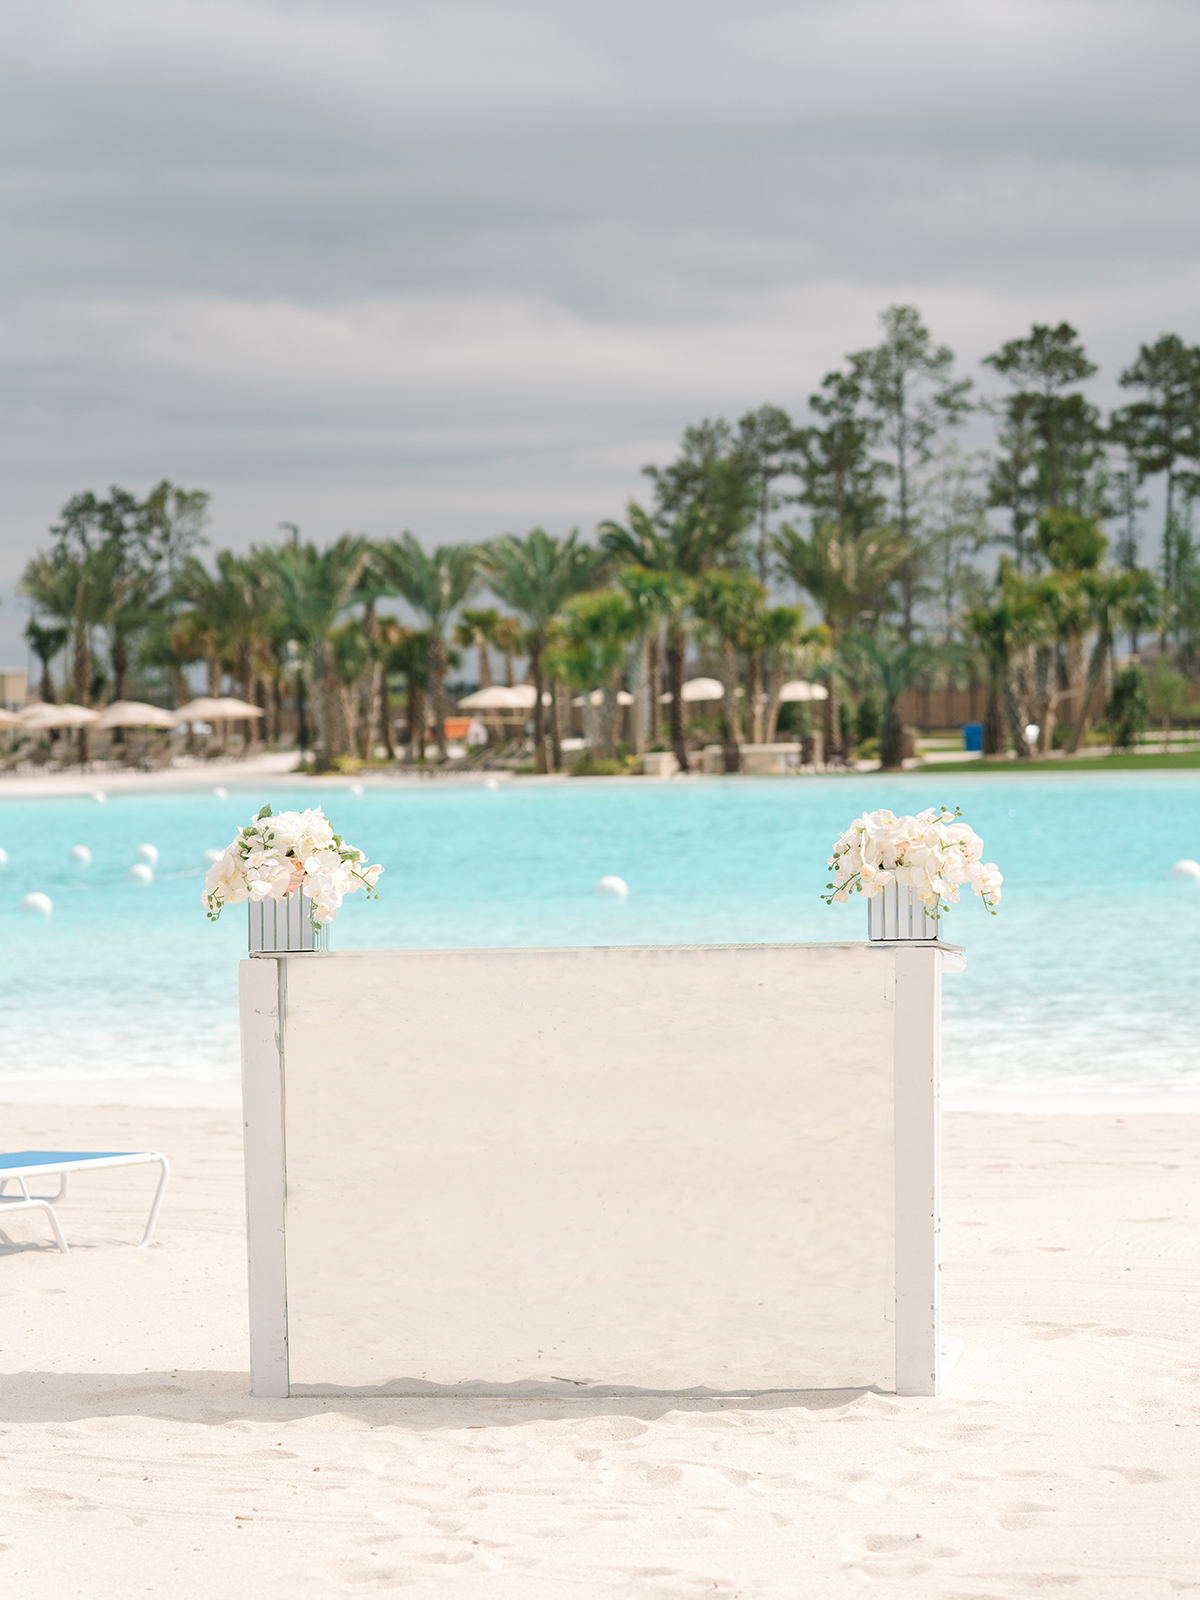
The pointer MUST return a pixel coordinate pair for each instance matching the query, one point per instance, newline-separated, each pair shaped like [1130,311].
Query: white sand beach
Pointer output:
[1064,1454]
[38,785]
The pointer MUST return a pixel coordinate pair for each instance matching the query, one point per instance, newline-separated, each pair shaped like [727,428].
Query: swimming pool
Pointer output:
[1085,979]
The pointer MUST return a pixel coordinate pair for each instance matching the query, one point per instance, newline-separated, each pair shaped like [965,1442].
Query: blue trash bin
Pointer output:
[973,736]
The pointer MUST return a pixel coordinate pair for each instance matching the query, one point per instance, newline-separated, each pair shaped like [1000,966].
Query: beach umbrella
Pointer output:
[499,697]
[44,715]
[224,709]
[703,689]
[496,697]
[698,689]
[236,710]
[10,719]
[799,690]
[597,698]
[137,714]
[526,696]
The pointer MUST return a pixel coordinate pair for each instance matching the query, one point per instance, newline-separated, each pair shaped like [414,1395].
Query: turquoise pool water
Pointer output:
[1086,978]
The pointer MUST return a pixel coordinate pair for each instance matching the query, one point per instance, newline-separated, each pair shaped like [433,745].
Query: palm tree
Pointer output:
[775,640]
[46,642]
[1123,598]
[848,577]
[435,583]
[373,706]
[593,632]
[686,546]
[77,588]
[728,605]
[230,615]
[1014,618]
[351,654]
[569,663]
[1064,624]
[406,653]
[130,612]
[313,589]
[1073,544]
[894,663]
[171,646]
[109,540]
[203,620]
[537,575]
[271,660]
[476,630]
[510,641]
[225,612]
[276,659]
[652,596]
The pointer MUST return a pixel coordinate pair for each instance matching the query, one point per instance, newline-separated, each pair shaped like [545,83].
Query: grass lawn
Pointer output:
[1126,762]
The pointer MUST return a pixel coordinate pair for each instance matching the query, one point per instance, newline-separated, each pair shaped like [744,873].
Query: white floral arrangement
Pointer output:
[272,855]
[933,854]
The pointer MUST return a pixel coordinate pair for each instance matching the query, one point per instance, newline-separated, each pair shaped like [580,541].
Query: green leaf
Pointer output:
[265,812]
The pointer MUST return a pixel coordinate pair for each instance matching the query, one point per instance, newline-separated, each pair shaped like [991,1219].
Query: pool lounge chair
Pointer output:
[19,1165]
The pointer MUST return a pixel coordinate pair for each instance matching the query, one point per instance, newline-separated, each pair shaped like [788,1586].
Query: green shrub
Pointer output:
[795,717]
[868,717]
[1128,706]
[586,767]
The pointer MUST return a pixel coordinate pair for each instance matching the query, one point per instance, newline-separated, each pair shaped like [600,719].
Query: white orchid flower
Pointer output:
[932,854]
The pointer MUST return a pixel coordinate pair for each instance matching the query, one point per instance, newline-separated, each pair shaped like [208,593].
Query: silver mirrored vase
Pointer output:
[286,925]
[897,914]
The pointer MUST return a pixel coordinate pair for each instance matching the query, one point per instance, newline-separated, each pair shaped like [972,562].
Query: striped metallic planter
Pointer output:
[896,914]
[286,925]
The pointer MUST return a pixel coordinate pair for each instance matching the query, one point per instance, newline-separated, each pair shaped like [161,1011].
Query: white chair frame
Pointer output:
[62,1171]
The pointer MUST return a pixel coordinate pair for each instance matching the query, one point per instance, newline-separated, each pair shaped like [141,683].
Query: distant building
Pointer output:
[13,692]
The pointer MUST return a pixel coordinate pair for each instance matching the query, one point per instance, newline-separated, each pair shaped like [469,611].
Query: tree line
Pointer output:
[869,509]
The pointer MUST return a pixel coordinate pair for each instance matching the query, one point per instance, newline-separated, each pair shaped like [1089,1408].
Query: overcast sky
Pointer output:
[466,268]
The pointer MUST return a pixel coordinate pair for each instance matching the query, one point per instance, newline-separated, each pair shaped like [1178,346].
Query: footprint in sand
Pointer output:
[1137,1474]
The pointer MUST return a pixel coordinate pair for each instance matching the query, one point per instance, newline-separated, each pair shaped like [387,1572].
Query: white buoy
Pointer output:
[99,794]
[1187,869]
[148,853]
[81,853]
[212,856]
[221,794]
[38,905]
[356,788]
[614,886]
[3,858]
[491,783]
[141,873]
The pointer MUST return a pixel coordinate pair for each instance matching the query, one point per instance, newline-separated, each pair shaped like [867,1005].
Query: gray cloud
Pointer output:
[468,267]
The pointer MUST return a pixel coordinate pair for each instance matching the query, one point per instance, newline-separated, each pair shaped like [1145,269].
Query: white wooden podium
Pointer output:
[665,1170]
